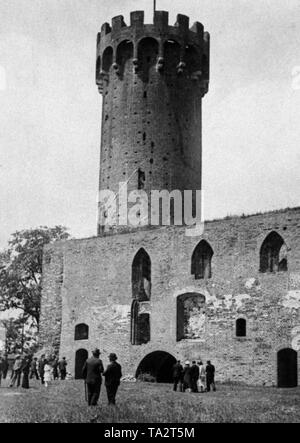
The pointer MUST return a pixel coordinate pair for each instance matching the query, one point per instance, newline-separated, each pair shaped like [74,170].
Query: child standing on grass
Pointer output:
[48,373]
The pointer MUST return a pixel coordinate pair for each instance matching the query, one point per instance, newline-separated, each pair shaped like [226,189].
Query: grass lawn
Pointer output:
[64,402]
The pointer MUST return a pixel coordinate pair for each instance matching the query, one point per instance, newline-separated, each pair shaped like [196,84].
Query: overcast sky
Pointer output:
[51,109]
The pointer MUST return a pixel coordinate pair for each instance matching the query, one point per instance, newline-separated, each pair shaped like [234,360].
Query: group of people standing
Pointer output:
[46,369]
[92,372]
[20,372]
[194,377]
[26,368]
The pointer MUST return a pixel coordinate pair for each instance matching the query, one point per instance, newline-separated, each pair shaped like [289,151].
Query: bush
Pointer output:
[147,378]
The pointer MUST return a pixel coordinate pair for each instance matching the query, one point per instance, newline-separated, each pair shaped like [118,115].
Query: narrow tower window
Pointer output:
[241,327]
[98,69]
[81,332]
[141,179]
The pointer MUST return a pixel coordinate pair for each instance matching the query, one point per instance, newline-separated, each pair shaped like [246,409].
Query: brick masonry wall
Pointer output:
[51,313]
[96,290]
[152,118]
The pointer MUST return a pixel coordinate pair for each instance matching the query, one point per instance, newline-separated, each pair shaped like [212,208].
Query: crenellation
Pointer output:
[198,28]
[137,19]
[105,29]
[161,22]
[117,24]
[182,23]
[160,31]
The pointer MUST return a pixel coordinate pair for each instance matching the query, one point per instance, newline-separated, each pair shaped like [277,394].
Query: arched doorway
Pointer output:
[159,364]
[287,368]
[80,358]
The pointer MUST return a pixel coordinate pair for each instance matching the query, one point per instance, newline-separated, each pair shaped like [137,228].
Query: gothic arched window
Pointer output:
[273,254]
[141,276]
[141,293]
[201,261]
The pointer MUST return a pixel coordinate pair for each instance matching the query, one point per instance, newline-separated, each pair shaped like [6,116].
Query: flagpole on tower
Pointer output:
[154,7]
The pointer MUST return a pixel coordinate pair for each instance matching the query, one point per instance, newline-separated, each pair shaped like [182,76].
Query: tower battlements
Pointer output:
[152,78]
[188,47]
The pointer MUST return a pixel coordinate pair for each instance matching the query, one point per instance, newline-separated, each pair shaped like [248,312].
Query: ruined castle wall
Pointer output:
[97,291]
[51,304]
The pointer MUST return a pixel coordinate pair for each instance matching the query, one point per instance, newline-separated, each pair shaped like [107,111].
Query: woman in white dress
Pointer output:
[202,377]
[48,373]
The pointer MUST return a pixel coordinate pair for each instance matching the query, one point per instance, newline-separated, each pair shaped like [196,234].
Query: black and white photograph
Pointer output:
[150,214]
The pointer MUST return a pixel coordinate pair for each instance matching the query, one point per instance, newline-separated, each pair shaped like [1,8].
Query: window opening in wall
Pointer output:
[141,179]
[190,316]
[241,327]
[273,254]
[201,261]
[141,292]
[81,332]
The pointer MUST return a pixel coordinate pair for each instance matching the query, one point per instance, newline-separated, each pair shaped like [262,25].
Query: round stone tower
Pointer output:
[152,79]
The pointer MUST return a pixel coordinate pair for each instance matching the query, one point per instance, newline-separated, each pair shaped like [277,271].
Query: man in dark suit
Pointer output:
[195,372]
[210,377]
[17,368]
[92,373]
[187,379]
[113,375]
[5,367]
[62,365]
[178,376]
[34,369]
[41,367]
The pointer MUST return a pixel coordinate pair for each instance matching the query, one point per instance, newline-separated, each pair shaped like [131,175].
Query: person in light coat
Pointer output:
[48,373]
[202,377]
